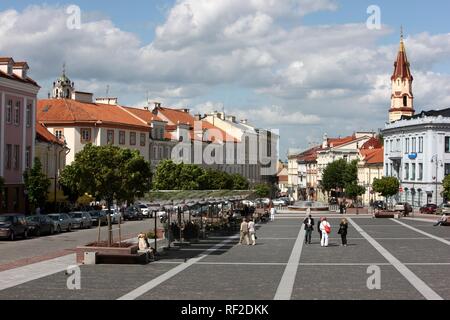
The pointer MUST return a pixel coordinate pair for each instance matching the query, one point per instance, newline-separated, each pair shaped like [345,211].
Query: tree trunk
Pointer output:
[110,232]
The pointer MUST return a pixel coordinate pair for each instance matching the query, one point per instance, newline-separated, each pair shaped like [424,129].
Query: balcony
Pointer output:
[395,155]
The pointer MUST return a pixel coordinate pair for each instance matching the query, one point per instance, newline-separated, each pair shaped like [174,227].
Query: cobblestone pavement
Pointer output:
[413,258]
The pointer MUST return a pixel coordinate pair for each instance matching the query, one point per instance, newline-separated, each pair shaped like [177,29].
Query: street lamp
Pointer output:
[438,163]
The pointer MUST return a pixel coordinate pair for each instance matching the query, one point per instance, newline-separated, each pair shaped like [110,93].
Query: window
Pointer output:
[8,156]
[28,158]
[8,115]
[143,139]
[406,171]
[5,199]
[387,147]
[407,145]
[85,135]
[110,137]
[420,178]
[397,146]
[29,107]
[447,169]
[59,134]
[121,137]
[16,159]
[413,173]
[447,144]
[132,138]
[405,101]
[414,145]
[421,145]
[17,113]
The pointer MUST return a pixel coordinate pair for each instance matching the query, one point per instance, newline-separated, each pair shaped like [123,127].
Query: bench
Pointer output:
[385,215]
[138,258]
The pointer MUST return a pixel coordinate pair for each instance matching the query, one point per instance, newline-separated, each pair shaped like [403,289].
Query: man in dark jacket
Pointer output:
[309,227]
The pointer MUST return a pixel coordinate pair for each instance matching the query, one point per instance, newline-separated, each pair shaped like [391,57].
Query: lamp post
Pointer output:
[438,162]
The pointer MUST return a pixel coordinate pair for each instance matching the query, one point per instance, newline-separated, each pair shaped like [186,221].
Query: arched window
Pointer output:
[405,101]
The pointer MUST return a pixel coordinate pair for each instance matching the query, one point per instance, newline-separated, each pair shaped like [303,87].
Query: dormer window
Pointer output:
[405,101]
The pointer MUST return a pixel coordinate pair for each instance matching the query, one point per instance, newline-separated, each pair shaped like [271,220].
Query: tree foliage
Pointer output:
[386,186]
[353,191]
[37,184]
[172,176]
[446,186]
[338,174]
[262,190]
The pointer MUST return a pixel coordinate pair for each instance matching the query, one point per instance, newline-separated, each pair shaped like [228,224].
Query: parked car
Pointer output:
[97,216]
[154,208]
[61,221]
[133,213]
[115,216]
[39,225]
[248,203]
[400,207]
[287,200]
[443,208]
[144,210]
[429,209]
[380,205]
[279,203]
[12,226]
[81,220]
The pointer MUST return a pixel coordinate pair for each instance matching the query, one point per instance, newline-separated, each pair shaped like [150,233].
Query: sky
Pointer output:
[305,67]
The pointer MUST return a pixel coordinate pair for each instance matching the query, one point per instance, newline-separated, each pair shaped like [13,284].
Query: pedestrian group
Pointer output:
[324,229]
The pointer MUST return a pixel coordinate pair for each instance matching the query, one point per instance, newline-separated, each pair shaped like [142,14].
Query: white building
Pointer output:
[417,147]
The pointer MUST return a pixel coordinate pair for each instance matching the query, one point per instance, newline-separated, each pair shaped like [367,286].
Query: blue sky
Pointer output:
[308,73]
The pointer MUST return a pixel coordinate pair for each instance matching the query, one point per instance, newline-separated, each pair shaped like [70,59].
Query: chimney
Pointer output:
[198,117]
[157,104]
[244,121]
[109,101]
[20,69]
[6,65]
[231,119]
[83,96]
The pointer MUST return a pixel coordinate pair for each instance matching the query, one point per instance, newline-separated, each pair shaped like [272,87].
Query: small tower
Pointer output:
[63,87]
[402,99]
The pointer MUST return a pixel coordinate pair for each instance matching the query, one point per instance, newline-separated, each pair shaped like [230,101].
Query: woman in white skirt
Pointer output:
[325,227]
[252,231]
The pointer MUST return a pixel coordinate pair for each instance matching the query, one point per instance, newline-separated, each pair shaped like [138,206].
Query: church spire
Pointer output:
[402,67]
[402,100]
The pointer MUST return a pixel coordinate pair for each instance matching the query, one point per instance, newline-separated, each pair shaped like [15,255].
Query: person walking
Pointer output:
[343,230]
[273,211]
[244,232]
[252,231]
[318,229]
[325,227]
[309,227]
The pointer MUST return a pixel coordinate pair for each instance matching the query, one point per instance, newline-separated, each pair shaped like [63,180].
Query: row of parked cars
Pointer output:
[13,226]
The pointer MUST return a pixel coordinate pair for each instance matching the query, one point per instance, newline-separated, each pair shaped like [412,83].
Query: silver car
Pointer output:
[62,222]
[81,220]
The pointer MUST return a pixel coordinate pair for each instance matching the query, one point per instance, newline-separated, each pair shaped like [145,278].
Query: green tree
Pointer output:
[336,175]
[166,176]
[446,185]
[37,184]
[386,186]
[262,190]
[353,191]
[239,182]
[108,173]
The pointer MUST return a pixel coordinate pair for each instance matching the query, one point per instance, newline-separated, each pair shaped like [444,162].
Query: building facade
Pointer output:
[370,167]
[18,95]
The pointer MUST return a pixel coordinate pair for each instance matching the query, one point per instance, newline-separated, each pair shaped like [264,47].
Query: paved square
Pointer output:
[414,264]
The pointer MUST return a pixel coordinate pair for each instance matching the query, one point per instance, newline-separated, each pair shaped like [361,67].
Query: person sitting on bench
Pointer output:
[144,245]
[442,220]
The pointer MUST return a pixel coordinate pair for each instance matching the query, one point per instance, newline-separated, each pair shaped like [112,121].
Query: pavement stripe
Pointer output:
[415,281]
[308,264]
[171,273]
[14,277]
[286,286]
[423,232]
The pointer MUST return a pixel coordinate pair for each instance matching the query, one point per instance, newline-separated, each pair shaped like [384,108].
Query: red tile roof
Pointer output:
[402,67]
[372,143]
[15,77]
[309,155]
[143,114]
[62,111]
[44,135]
[340,141]
[373,156]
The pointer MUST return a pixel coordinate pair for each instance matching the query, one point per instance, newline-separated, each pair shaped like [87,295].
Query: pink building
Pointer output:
[18,94]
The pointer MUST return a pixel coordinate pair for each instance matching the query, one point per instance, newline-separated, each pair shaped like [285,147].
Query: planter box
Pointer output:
[385,214]
[131,250]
